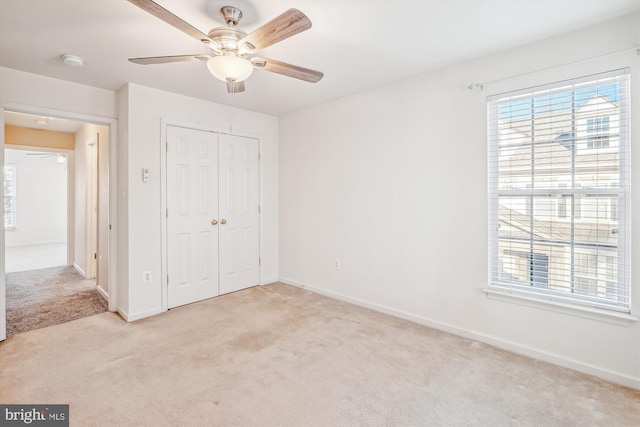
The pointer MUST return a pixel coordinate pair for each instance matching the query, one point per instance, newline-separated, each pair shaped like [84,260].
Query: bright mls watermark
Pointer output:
[34,415]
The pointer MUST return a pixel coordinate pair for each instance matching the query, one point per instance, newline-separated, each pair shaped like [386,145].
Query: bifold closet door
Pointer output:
[239,213]
[192,215]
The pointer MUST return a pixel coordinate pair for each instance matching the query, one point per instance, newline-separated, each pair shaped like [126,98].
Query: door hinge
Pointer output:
[259,209]
[95,255]
[259,156]
[259,260]
[109,226]
[166,213]
[166,146]
[167,279]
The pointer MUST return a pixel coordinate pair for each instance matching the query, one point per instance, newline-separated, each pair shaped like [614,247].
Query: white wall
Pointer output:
[121,200]
[41,199]
[140,146]
[18,88]
[393,183]
[88,138]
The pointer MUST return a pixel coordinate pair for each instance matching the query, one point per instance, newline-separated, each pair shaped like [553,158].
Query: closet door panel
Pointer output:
[239,213]
[192,205]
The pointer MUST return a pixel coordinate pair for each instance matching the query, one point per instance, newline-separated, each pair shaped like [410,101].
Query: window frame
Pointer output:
[623,194]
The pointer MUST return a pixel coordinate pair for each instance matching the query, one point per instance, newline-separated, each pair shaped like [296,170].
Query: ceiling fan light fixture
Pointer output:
[230,68]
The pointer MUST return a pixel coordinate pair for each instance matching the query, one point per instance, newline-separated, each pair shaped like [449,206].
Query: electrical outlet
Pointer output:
[146,277]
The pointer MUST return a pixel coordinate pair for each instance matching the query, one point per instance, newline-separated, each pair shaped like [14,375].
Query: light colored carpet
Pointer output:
[49,296]
[280,356]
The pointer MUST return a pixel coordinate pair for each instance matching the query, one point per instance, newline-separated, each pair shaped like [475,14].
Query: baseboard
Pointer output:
[122,313]
[605,374]
[26,245]
[102,292]
[140,315]
[79,270]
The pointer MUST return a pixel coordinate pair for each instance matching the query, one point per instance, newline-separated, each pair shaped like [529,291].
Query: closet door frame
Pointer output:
[163,190]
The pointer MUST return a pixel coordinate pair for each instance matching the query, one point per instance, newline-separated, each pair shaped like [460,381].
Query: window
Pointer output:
[599,126]
[9,197]
[539,270]
[586,274]
[558,198]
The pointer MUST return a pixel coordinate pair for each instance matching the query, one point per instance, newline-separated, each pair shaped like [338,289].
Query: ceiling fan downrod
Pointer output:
[231,15]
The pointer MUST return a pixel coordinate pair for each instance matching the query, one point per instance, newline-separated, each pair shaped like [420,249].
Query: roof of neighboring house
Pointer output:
[555,157]
[552,125]
[586,231]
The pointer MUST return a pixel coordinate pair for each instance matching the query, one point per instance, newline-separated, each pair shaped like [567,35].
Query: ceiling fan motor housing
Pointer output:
[227,37]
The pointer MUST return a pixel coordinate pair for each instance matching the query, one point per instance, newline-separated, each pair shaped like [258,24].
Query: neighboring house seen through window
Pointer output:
[559,191]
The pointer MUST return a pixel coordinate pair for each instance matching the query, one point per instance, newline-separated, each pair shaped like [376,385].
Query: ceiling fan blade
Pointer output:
[289,70]
[235,87]
[286,25]
[168,59]
[160,12]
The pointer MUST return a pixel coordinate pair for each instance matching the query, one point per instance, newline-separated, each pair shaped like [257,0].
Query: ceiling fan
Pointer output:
[232,59]
[60,157]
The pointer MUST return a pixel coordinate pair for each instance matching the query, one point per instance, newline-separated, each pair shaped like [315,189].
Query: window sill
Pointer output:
[591,313]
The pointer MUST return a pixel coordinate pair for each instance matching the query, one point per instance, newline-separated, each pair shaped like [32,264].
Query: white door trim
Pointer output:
[112,123]
[91,233]
[163,191]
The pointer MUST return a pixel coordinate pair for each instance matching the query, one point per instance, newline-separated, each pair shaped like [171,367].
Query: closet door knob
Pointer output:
[214,222]
[223,221]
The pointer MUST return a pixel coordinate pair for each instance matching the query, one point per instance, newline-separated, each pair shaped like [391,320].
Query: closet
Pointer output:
[212,214]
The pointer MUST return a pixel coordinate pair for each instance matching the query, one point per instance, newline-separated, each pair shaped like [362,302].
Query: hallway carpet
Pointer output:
[277,355]
[49,296]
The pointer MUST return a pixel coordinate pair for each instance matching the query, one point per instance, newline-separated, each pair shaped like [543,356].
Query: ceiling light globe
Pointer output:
[230,68]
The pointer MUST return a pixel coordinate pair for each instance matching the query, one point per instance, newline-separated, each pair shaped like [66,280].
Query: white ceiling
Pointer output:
[358,44]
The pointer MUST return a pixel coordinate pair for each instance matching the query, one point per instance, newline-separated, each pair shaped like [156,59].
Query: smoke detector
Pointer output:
[73,60]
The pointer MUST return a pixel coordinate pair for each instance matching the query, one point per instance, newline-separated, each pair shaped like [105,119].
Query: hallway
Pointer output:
[49,296]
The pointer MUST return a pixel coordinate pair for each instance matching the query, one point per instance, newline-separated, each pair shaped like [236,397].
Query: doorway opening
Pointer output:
[56,202]
[35,203]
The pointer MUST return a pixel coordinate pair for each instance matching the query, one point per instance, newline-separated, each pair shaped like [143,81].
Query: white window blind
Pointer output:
[9,184]
[559,191]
